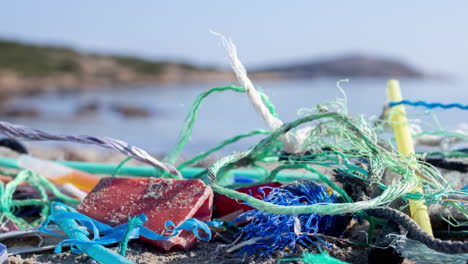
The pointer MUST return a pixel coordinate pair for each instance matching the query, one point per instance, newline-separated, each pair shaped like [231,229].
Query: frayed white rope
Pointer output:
[290,143]
[21,132]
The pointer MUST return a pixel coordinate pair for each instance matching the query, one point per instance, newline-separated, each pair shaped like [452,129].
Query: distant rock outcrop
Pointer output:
[347,66]
[19,112]
[30,69]
[125,110]
[131,111]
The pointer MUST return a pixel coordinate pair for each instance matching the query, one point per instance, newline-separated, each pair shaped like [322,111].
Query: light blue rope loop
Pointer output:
[105,235]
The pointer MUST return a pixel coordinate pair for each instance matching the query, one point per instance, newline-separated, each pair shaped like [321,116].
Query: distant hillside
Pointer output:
[347,66]
[28,68]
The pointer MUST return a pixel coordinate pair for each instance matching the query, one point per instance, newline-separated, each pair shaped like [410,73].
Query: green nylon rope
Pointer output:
[443,133]
[312,258]
[189,121]
[454,154]
[223,144]
[361,141]
[8,205]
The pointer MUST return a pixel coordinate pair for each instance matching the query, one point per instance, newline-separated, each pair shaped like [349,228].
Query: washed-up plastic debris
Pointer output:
[114,200]
[105,235]
[421,254]
[312,258]
[6,225]
[29,240]
[277,231]
[3,254]
[68,218]
[58,173]
[119,209]
[224,206]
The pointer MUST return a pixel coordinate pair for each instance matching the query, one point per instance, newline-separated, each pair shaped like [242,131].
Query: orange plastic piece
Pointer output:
[5,179]
[82,180]
[59,174]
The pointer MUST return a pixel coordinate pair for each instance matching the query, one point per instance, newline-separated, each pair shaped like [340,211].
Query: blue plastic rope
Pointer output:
[3,254]
[111,235]
[280,231]
[429,105]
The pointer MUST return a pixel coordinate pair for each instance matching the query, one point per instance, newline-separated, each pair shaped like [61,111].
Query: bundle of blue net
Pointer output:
[269,232]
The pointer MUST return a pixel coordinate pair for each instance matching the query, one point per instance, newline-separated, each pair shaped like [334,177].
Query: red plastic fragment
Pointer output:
[113,200]
[224,205]
[7,226]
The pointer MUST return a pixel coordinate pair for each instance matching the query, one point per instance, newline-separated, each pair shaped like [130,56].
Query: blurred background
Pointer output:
[131,70]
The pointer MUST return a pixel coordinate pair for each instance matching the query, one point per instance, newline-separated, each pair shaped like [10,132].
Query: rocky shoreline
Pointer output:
[14,84]
[27,69]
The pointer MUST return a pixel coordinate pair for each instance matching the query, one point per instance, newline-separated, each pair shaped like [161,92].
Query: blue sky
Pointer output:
[432,35]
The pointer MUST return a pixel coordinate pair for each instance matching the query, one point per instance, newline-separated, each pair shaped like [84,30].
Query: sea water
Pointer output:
[227,114]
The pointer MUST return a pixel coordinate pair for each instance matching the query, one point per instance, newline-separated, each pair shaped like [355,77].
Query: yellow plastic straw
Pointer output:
[418,211]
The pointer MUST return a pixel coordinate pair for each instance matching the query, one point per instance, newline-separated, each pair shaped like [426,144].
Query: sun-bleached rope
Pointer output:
[289,140]
[22,132]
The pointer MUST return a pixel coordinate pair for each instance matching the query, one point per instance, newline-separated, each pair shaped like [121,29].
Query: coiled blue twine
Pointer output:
[276,232]
[428,105]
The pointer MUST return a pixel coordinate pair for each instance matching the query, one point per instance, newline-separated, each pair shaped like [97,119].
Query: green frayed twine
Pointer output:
[453,154]
[132,223]
[189,121]
[226,142]
[8,205]
[343,135]
[119,167]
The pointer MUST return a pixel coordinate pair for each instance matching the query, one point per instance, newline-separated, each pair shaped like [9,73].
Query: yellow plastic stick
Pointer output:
[418,211]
